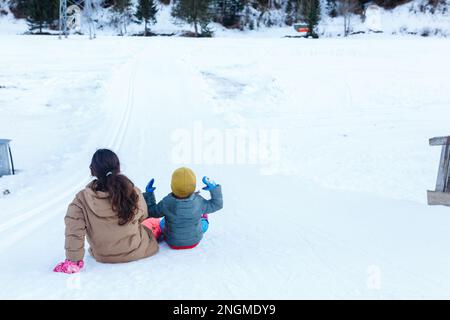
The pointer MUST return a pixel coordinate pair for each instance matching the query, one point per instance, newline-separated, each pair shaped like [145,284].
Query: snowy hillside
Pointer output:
[8,24]
[416,17]
[329,202]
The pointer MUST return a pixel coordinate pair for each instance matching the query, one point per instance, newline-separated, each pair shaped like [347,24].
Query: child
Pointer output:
[184,211]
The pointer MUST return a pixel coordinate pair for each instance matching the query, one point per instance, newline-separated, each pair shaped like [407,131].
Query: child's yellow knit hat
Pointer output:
[183,182]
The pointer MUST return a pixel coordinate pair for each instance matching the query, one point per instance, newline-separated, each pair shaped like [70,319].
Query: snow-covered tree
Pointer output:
[195,12]
[123,9]
[146,12]
[331,8]
[291,11]
[346,8]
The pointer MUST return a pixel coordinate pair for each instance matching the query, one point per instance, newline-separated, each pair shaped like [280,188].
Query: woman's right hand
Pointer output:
[69,266]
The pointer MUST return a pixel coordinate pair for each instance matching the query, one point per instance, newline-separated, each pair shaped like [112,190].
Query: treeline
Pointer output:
[238,14]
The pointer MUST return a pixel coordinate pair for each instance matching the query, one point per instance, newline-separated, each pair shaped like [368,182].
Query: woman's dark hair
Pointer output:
[105,165]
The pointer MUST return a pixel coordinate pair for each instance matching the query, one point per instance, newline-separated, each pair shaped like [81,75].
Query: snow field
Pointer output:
[342,216]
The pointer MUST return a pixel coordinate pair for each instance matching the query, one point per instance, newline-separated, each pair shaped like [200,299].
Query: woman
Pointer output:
[108,212]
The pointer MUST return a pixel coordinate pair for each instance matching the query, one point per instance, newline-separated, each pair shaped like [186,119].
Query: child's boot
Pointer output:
[205,222]
[153,224]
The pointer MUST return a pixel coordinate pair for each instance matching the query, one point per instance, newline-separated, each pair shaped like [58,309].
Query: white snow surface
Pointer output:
[341,213]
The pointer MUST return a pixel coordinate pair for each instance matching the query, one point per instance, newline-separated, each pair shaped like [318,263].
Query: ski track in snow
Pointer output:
[41,213]
[309,232]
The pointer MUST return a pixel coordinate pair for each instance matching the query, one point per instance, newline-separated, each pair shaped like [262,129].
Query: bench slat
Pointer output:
[440,141]
[438,198]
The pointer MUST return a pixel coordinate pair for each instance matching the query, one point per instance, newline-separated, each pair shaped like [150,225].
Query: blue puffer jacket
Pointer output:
[183,216]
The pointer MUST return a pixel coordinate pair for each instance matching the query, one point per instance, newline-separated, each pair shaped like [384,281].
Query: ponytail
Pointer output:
[123,196]
[105,166]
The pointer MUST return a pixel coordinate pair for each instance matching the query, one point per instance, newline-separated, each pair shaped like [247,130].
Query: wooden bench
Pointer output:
[441,196]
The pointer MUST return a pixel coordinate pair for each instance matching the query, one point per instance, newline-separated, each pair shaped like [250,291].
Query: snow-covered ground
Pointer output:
[326,198]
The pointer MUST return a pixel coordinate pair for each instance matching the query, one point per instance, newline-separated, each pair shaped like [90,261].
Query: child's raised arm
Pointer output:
[154,210]
[216,202]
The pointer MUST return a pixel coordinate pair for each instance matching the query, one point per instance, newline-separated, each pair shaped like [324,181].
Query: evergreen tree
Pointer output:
[305,11]
[248,16]
[291,11]
[123,9]
[312,15]
[228,12]
[41,13]
[146,12]
[19,8]
[331,8]
[195,12]
[107,3]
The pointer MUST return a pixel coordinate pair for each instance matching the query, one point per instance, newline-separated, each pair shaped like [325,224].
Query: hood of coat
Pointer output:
[98,202]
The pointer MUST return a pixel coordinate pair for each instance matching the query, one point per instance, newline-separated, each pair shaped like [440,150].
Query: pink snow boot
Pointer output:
[69,266]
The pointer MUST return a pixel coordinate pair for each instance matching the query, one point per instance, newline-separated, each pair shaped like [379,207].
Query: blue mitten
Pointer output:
[150,188]
[210,185]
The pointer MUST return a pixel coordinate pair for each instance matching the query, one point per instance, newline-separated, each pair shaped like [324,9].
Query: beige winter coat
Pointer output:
[90,215]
